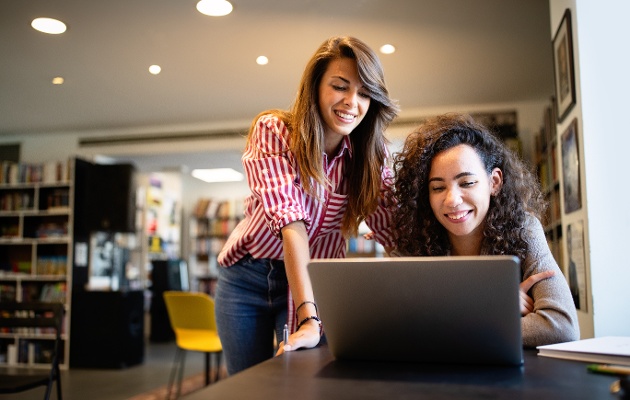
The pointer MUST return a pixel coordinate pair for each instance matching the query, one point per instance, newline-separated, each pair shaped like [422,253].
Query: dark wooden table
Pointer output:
[314,374]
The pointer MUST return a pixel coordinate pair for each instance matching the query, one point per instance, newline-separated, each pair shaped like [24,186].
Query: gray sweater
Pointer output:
[554,319]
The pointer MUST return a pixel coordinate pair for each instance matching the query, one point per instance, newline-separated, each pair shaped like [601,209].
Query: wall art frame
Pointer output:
[564,70]
[571,181]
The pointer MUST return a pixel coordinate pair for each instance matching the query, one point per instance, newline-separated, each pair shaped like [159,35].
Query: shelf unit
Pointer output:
[211,225]
[35,254]
[547,156]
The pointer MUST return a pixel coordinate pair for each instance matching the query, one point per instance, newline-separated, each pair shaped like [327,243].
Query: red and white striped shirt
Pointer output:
[278,199]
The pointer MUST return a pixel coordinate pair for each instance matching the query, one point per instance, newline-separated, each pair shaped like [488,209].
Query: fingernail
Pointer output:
[287,347]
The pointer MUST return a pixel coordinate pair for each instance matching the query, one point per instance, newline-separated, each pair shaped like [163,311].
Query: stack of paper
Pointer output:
[607,349]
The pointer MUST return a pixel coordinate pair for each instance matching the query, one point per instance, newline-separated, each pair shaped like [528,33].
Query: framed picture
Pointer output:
[576,268]
[563,67]
[571,169]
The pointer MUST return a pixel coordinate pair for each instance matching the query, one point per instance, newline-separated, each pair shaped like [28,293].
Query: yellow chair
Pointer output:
[192,318]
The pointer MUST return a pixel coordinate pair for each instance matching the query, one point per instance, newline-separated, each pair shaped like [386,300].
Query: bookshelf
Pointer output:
[547,156]
[211,224]
[36,203]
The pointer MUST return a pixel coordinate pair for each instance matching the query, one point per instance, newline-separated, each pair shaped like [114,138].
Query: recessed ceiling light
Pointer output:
[57,80]
[218,175]
[262,60]
[155,69]
[214,8]
[387,49]
[48,25]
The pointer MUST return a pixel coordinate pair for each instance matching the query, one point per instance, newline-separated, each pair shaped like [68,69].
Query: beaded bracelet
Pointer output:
[307,302]
[312,317]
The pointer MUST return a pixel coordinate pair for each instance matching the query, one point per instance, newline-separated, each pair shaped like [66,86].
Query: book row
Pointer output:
[209,208]
[14,173]
[28,352]
[50,292]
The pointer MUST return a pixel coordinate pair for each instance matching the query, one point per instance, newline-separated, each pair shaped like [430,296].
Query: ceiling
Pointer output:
[450,52]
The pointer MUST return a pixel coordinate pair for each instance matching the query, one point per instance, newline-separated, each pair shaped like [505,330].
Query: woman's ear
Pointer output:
[496,181]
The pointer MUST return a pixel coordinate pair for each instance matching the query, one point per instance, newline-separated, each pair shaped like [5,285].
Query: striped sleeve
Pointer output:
[272,175]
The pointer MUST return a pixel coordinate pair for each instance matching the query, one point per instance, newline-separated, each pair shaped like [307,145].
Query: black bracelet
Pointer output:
[312,317]
[307,302]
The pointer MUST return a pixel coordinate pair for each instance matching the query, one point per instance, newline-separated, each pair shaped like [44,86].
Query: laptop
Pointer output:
[448,310]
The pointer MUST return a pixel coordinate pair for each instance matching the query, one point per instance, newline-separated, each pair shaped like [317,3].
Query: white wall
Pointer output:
[599,33]
[602,33]
[44,147]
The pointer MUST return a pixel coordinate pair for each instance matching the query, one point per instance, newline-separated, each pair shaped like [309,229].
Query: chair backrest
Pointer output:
[190,310]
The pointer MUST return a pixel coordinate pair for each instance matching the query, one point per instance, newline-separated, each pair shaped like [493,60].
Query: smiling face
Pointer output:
[459,194]
[343,101]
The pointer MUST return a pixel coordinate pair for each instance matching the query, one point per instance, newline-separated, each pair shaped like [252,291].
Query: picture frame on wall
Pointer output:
[576,264]
[563,63]
[571,169]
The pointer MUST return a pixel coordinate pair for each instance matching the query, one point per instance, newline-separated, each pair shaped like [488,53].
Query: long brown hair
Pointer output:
[368,142]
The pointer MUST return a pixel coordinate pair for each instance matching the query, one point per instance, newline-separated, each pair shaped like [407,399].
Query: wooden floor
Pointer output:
[120,384]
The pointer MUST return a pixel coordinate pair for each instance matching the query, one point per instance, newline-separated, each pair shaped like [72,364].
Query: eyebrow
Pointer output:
[347,81]
[461,174]
[341,77]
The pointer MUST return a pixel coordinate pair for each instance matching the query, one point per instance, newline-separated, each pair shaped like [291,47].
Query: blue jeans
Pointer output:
[251,303]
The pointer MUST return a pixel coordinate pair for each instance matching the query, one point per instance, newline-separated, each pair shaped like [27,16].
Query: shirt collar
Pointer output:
[346,146]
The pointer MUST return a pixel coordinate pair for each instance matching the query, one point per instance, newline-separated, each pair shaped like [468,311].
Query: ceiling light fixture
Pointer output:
[262,60]
[48,25]
[155,69]
[214,8]
[218,175]
[387,49]
[58,80]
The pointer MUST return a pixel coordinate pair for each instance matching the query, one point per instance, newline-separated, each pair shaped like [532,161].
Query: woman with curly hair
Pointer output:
[460,191]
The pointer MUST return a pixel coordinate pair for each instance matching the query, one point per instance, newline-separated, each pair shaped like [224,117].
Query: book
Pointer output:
[605,349]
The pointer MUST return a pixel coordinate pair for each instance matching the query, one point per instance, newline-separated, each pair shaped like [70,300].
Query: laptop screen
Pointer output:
[421,309]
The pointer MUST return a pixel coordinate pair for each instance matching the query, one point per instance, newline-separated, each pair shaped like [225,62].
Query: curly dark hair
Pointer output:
[418,232]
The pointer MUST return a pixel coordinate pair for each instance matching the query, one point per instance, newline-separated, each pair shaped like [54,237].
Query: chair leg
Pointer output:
[59,387]
[181,375]
[58,379]
[207,365]
[54,377]
[176,369]
[218,371]
[171,376]
[47,393]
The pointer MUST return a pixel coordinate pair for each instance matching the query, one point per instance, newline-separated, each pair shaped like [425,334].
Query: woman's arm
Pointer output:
[527,303]
[553,318]
[296,258]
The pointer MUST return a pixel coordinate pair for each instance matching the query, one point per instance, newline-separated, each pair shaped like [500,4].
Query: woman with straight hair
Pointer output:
[315,172]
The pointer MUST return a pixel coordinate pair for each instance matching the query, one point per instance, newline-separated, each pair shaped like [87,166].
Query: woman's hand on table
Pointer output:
[307,336]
